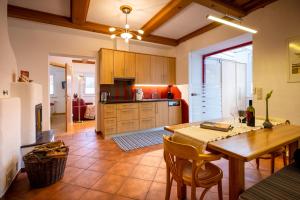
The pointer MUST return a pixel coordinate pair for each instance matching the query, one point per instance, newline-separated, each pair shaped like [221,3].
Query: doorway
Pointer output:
[225,84]
[72,93]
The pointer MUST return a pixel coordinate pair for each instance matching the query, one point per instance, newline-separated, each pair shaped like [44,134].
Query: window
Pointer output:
[51,85]
[89,85]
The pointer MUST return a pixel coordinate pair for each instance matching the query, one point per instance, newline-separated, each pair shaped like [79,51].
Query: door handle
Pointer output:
[194,94]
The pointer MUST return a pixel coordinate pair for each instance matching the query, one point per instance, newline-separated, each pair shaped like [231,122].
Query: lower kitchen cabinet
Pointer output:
[161,114]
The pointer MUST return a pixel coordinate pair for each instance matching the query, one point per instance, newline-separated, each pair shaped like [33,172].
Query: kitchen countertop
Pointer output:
[135,101]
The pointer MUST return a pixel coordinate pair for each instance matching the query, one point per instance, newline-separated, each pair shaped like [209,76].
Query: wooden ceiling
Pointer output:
[79,10]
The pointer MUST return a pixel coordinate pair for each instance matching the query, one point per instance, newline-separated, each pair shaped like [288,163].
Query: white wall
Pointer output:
[275,24]
[8,64]
[33,42]
[59,93]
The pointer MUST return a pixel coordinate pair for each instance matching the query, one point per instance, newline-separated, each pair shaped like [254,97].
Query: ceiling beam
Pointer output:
[47,18]
[256,4]
[166,13]
[79,10]
[222,7]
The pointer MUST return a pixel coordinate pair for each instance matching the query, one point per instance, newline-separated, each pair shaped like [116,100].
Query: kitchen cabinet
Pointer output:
[175,115]
[106,57]
[127,117]
[157,65]
[143,69]
[129,62]
[147,115]
[169,71]
[108,120]
[161,114]
[119,64]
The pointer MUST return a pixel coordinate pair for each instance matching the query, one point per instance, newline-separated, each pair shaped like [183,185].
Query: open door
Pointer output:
[68,94]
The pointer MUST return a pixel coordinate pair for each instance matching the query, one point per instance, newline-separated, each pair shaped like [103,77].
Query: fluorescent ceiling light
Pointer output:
[150,85]
[222,21]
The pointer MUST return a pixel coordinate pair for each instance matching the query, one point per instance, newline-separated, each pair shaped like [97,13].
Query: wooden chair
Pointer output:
[187,167]
[272,155]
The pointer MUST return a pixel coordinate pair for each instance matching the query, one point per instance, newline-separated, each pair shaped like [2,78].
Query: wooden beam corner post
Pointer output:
[79,10]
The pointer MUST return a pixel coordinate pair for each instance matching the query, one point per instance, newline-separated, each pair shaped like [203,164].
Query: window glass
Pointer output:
[51,85]
[89,85]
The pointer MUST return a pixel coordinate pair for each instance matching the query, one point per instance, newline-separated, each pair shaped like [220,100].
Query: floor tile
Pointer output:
[161,176]
[144,172]
[135,188]
[96,195]
[122,169]
[71,173]
[158,191]
[132,159]
[70,192]
[102,165]
[109,183]
[84,162]
[87,178]
[151,161]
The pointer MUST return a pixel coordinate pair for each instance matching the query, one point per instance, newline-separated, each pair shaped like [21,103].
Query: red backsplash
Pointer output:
[162,92]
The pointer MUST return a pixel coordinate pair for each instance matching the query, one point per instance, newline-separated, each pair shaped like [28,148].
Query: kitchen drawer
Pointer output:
[147,123]
[127,106]
[110,126]
[127,126]
[147,110]
[109,111]
[127,114]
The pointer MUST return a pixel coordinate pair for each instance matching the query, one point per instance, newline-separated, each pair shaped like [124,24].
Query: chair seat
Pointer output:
[211,174]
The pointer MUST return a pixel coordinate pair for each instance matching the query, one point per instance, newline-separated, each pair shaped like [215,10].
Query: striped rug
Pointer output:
[139,140]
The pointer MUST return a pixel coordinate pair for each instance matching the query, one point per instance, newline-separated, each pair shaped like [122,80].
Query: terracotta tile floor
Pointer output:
[98,169]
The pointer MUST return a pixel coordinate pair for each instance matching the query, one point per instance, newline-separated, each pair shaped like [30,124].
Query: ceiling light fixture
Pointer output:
[125,32]
[223,21]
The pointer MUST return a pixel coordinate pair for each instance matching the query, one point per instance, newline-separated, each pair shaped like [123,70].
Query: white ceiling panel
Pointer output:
[188,20]
[58,7]
[108,12]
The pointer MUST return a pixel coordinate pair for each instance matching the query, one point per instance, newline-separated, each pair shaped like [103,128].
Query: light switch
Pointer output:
[259,93]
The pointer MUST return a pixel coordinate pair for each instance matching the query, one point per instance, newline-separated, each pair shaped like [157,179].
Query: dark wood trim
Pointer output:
[84,61]
[219,51]
[166,13]
[79,10]
[222,7]
[47,18]
[256,4]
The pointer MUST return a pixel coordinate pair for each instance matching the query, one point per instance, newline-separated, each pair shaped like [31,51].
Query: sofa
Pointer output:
[80,104]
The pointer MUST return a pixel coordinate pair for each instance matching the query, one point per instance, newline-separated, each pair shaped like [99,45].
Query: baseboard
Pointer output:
[3,194]
[58,113]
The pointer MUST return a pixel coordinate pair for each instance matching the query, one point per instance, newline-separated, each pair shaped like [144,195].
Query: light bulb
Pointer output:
[113,36]
[140,31]
[112,29]
[139,37]
[127,26]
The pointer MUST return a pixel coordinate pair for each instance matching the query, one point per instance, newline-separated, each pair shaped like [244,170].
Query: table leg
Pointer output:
[181,191]
[292,148]
[236,178]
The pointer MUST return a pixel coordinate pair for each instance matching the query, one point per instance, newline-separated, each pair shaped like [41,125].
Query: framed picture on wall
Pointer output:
[294,59]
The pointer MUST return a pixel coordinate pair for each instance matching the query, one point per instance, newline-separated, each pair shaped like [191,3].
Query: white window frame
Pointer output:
[51,84]
[85,84]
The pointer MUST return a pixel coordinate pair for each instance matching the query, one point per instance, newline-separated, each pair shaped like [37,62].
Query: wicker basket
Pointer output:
[45,171]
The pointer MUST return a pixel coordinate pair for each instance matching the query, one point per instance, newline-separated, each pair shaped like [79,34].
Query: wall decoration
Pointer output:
[294,59]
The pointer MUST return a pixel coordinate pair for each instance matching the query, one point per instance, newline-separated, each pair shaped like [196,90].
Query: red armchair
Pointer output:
[76,105]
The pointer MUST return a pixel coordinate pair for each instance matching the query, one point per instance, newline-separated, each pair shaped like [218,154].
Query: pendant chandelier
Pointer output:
[125,32]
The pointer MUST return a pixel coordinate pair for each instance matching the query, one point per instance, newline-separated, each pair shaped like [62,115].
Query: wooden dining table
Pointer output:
[247,146]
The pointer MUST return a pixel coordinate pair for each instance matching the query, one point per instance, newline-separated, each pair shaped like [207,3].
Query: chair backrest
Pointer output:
[178,155]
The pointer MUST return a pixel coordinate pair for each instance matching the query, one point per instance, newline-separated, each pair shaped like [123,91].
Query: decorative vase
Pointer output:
[267,123]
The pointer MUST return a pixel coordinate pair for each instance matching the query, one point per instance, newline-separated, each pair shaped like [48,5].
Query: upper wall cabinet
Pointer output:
[157,65]
[130,69]
[106,58]
[119,67]
[143,69]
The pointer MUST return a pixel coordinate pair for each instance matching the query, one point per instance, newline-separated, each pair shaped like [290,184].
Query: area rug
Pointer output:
[138,140]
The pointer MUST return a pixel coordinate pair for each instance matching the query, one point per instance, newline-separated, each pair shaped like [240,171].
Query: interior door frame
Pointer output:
[220,51]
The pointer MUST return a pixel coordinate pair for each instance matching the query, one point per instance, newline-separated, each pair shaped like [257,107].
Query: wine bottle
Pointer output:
[250,116]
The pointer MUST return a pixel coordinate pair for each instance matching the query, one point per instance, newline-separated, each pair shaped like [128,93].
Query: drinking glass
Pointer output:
[242,116]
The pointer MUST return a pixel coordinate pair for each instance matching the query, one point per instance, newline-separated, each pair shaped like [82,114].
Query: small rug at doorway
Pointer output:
[139,140]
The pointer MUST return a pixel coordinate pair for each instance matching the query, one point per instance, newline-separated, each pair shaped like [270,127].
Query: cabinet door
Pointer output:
[129,65]
[175,115]
[162,114]
[157,64]
[119,68]
[143,69]
[106,66]
[169,71]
